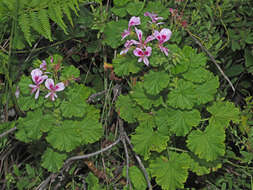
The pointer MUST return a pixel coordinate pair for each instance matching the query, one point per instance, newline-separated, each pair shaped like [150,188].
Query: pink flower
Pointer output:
[132,22]
[139,35]
[43,65]
[37,78]
[127,45]
[163,36]
[53,88]
[143,54]
[154,17]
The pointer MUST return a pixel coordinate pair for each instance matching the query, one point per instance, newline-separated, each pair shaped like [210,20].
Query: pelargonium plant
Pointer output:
[171,106]
[143,49]
[38,77]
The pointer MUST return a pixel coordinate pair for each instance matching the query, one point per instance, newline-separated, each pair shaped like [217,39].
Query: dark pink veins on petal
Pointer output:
[140,53]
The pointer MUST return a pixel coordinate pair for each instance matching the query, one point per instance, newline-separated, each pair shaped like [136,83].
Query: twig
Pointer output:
[123,140]
[68,163]
[139,162]
[93,96]
[212,59]
[94,153]
[7,132]
[44,183]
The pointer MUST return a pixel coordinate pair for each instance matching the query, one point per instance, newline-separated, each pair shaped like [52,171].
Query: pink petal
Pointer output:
[137,52]
[48,95]
[164,50]
[140,59]
[146,61]
[135,42]
[139,34]
[32,86]
[166,32]
[149,38]
[43,65]
[59,87]
[49,84]
[35,74]
[148,51]
[37,94]
[124,51]
[134,21]
[125,34]
[129,43]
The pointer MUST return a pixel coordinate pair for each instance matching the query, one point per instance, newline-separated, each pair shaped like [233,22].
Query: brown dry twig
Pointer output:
[69,161]
[7,132]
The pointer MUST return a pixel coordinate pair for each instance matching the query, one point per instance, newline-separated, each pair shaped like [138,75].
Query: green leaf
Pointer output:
[235,70]
[119,11]
[146,139]
[179,122]
[90,130]
[171,173]
[33,125]
[28,102]
[127,108]
[143,99]
[73,108]
[124,65]
[134,8]
[205,92]
[120,2]
[195,60]
[93,182]
[53,161]
[24,85]
[197,75]
[223,113]
[65,137]
[146,119]
[182,96]
[209,144]
[155,82]
[199,169]
[248,58]
[79,91]
[69,73]
[113,31]
[137,178]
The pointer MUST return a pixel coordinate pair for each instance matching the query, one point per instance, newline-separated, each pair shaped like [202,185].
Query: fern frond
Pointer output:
[24,23]
[36,25]
[72,6]
[44,20]
[55,13]
[67,12]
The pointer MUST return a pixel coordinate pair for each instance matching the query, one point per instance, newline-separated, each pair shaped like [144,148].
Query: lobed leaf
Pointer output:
[146,139]
[209,144]
[223,113]
[65,137]
[124,66]
[143,99]
[177,121]
[33,125]
[127,108]
[171,173]
[182,96]
[155,82]
[53,161]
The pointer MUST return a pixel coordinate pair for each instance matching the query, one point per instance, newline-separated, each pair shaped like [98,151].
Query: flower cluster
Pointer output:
[39,77]
[142,50]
